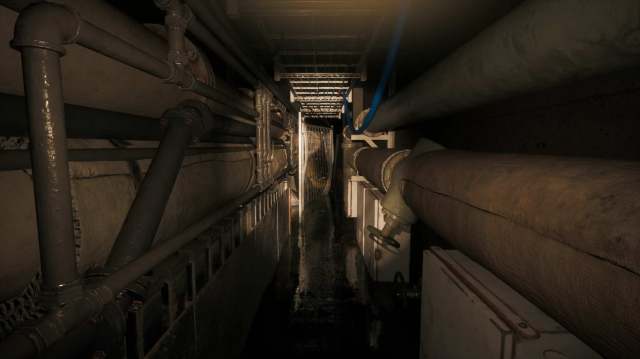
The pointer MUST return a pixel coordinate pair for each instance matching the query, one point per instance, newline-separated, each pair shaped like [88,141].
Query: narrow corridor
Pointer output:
[310,309]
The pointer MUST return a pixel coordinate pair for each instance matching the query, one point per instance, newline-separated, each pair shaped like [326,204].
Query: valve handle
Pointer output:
[377,236]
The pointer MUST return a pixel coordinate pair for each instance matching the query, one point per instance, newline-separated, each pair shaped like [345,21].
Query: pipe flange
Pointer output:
[389,165]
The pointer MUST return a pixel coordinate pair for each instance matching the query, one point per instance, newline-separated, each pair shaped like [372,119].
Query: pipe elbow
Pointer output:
[46,25]
[194,114]
[393,202]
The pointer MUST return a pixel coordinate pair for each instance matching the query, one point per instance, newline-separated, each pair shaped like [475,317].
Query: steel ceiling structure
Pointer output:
[319,46]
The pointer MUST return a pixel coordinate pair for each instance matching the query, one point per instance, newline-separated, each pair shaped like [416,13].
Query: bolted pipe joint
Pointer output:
[47,26]
[194,114]
[397,213]
[177,19]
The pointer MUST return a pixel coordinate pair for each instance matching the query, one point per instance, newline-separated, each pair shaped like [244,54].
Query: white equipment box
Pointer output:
[382,261]
[468,313]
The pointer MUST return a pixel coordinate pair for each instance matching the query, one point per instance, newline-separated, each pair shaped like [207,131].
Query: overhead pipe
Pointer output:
[378,164]
[85,122]
[72,29]
[104,16]
[208,11]
[94,38]
[562,231]
[136,235]
[387,70]
[82,122]
[540,44]
[204,32]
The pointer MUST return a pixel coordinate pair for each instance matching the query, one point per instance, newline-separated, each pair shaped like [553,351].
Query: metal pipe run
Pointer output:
[562,231]
[51,184]
[33,340]
[94,38]
[11,160]
[70,28]
[538,45]
[105,16]
[84,122]
[378,164]
[207,12]
[141,224]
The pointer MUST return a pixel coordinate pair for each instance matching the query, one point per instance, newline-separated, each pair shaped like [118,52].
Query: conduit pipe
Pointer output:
[563,231]
[540,44]
[136,235]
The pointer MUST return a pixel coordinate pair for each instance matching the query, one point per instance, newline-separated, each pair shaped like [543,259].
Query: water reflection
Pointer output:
[310,310]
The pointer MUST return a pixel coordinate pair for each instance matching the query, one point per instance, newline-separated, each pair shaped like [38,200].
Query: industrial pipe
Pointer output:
[105,16]
[73,29]
[208,11]
[11,160]
[378,164]
[84,122]
[538,45]
[397,215]
[562,231]
[51,184]
[146,39]
[33,340]
[141,224]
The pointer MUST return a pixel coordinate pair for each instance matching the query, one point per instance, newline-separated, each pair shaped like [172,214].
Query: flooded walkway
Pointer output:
[311,310]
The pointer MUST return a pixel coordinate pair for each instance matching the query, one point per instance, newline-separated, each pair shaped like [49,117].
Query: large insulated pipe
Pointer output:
[540,44]
[378,164]
[563,231]
[84,122]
